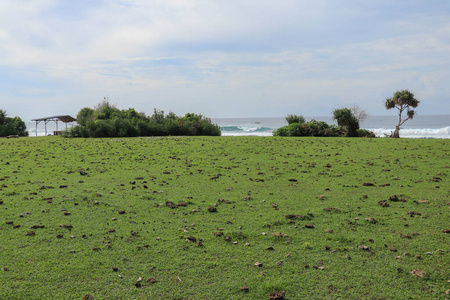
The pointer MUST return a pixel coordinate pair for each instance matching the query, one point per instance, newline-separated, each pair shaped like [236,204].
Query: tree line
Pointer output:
[11,125]
[106,120]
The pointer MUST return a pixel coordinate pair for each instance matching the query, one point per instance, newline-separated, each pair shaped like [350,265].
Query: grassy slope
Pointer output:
[249,175]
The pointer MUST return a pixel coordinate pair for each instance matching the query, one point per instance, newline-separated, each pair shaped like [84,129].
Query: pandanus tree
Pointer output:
[403,101]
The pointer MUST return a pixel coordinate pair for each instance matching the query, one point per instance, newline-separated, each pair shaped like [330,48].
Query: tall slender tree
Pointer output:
[403,101]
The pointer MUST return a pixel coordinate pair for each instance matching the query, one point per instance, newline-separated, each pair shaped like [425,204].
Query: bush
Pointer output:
[290,119]
[347,121]
[193,124]
[12,126]
[210,129]
[71,132]
[311,128]
[125,128]
[100,128]
[366,133]
[282,131]
[84,115]
[108,121]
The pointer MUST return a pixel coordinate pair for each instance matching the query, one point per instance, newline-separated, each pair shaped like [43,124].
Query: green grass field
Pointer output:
[320,218]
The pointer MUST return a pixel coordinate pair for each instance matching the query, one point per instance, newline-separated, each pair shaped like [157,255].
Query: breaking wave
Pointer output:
[418,133]
[246,130]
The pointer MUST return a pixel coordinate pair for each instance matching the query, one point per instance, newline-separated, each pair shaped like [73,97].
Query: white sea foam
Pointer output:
[418,133]
[247,133]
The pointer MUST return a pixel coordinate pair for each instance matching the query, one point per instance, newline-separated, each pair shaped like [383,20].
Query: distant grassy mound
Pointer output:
[224,218]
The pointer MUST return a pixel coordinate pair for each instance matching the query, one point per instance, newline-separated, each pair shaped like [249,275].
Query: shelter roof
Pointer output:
[62,118]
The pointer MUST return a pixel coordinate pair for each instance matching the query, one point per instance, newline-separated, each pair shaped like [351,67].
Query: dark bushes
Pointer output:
[346,120]
[318,128]
[295,119]
[366,133]
[12,126]
[311,128]
[108,121]
[348,125]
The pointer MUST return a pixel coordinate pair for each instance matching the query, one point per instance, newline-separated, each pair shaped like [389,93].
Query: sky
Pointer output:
[223,59]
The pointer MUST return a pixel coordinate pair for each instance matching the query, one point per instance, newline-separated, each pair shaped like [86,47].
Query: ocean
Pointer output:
[431,126]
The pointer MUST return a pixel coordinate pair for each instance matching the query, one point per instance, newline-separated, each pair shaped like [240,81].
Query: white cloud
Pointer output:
[214,55]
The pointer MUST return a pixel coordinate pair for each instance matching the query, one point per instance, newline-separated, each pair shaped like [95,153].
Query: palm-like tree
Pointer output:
[402,100]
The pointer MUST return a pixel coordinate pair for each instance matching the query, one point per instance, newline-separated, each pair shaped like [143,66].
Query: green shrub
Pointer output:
[84,115]
[108,121]
[295,119]
[125,128]
[347,121]
[348,125]
[12,126]
[282,131]
[311,128]
[366,133]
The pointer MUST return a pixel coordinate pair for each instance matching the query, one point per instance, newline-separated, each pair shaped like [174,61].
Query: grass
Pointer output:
[96,234]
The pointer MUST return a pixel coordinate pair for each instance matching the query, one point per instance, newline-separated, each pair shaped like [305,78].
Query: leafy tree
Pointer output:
[85,114]
[158,116]
[194,124]
[2,116]
[291,118]
[105,110]
[171,116]
[402,100]
[346,120]
[11,126]
[132,114]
